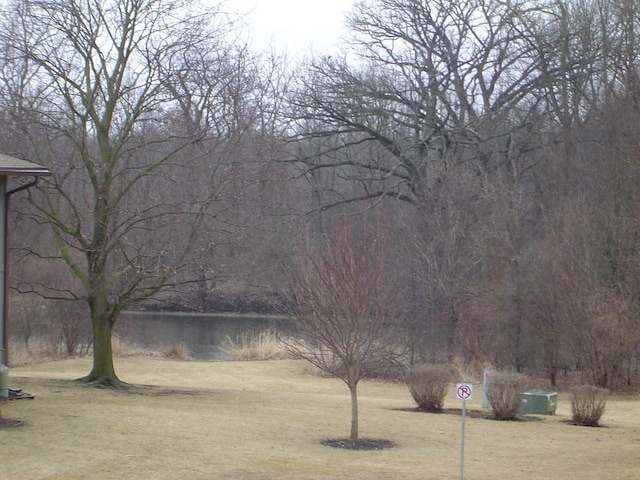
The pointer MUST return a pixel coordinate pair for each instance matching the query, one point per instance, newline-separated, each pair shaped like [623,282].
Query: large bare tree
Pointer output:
[427,88]
[103,80]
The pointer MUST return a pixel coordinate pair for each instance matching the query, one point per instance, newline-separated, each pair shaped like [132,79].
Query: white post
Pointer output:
[485,387]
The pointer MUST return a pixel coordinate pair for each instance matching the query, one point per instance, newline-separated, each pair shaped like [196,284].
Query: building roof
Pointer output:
[15,166]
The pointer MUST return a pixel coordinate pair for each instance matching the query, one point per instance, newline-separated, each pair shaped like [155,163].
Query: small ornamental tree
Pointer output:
[342,297]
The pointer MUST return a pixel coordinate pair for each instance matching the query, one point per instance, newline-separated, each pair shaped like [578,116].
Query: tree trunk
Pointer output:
[103,371]
[354,410]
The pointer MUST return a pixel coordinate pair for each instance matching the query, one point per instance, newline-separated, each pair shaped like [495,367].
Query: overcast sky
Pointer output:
[294,25]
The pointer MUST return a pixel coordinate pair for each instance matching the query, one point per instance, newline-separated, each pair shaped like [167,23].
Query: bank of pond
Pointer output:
[202,334]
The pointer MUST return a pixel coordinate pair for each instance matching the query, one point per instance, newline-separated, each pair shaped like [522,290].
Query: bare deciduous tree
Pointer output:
[440,111]
[344,302]
[100,98]
[440,86]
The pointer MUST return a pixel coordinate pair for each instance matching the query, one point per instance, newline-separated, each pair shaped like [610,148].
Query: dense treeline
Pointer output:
[496,141]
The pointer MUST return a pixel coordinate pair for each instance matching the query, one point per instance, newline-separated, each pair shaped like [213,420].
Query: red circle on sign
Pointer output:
[464,391]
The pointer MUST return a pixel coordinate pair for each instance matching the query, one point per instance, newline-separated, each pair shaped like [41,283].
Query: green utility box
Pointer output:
[539,403]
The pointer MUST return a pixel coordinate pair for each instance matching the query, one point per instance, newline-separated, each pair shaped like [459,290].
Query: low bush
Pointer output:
[504,392]
[587,405]
[428,385]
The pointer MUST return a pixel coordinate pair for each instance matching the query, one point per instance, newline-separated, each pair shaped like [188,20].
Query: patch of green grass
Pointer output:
[266,420]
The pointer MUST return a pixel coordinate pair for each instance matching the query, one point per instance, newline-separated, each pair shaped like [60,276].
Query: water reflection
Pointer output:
[201,333]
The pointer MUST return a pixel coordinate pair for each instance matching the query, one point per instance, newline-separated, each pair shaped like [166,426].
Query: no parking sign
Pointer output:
[464,391]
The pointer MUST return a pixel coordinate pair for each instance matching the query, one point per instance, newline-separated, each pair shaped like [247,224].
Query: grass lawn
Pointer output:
[265,420]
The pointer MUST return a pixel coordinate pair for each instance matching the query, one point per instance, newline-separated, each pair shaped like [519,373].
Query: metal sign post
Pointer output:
[464,391]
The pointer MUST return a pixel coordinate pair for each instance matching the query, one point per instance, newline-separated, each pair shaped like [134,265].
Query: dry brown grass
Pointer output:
[265,420]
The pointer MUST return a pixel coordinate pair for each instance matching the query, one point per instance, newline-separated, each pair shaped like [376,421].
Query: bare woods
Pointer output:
[493,145]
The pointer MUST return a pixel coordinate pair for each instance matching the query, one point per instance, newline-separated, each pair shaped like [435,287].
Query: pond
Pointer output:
[201,333]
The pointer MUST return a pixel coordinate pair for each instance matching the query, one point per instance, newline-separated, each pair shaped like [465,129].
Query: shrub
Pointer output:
[428,385]
[587,405]
[504,393]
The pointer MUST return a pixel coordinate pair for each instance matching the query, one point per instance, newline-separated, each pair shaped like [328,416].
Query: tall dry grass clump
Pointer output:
[428,385]
[176,351]
[38,350]
[124,348]
[255,346]
[504,393]
[587,405]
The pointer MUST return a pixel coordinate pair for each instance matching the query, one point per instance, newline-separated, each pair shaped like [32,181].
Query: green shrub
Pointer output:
[504,392]
[428,385]
[587,405]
